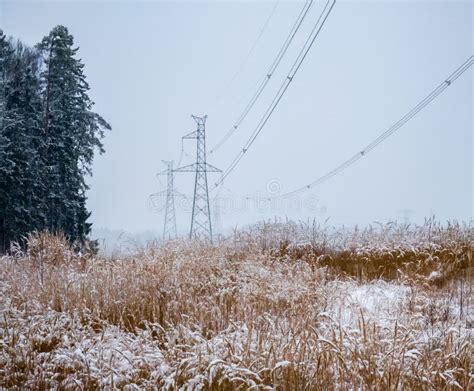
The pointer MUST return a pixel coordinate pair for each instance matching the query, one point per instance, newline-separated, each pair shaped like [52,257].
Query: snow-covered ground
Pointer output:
[192,317]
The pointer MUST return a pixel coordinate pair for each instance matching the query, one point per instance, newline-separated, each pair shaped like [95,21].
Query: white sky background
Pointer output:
[153,64]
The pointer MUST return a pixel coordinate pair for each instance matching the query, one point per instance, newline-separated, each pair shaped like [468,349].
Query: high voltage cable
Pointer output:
[289,78]
[254,45]
[262,30]
[263,83]
[369,147]
[181,154]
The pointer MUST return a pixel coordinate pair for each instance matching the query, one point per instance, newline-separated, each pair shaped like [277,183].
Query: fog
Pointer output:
[151,65]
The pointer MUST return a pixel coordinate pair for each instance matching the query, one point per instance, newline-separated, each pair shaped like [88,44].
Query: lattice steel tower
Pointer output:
[201,226]
[169,228]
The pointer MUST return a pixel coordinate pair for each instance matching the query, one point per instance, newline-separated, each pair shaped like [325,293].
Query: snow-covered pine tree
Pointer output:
[48,137]
[21,190]
[5,164]
[72,132]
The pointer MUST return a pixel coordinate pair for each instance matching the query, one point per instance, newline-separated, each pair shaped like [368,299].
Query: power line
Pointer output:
[397,125]
[252,48]
[286,83]
[182,152]
[262,30]
[265,80]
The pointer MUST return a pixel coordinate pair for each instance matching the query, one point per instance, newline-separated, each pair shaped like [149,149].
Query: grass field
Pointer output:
[279,306]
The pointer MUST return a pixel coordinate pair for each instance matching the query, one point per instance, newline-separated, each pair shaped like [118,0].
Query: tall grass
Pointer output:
[279,306]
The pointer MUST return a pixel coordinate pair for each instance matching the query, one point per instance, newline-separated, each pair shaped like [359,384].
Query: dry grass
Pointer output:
[281,306]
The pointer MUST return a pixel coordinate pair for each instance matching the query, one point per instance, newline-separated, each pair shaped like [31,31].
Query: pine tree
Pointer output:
[72,132]
[48,138]
[20,188]
[6,164]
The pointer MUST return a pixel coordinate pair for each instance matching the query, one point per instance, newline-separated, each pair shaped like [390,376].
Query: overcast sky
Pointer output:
[153,64]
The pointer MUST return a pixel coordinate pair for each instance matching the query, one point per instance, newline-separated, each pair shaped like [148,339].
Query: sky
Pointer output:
[153,64]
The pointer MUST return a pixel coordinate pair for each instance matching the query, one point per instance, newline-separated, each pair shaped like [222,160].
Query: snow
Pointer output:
[282,364]
[378,300]
[295,314]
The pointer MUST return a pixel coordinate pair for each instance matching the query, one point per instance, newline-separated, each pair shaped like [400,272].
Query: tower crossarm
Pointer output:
[211,168]
[189,168]
[194,167]
[191,135]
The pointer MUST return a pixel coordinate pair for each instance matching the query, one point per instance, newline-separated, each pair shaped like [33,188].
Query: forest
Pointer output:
[48,137]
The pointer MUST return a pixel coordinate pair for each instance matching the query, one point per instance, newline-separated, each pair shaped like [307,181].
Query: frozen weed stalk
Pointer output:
[281,306]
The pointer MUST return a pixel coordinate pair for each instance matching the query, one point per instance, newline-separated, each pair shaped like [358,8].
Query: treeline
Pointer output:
[48,137]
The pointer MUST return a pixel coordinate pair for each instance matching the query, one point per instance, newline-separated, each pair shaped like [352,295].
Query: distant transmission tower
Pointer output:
[216,212]
[169,228]
[406,214]
[201,226]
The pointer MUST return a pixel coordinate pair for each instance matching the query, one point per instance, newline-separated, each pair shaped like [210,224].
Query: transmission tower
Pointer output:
[406,214]
[169,228]
[216,213]
[201,226]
